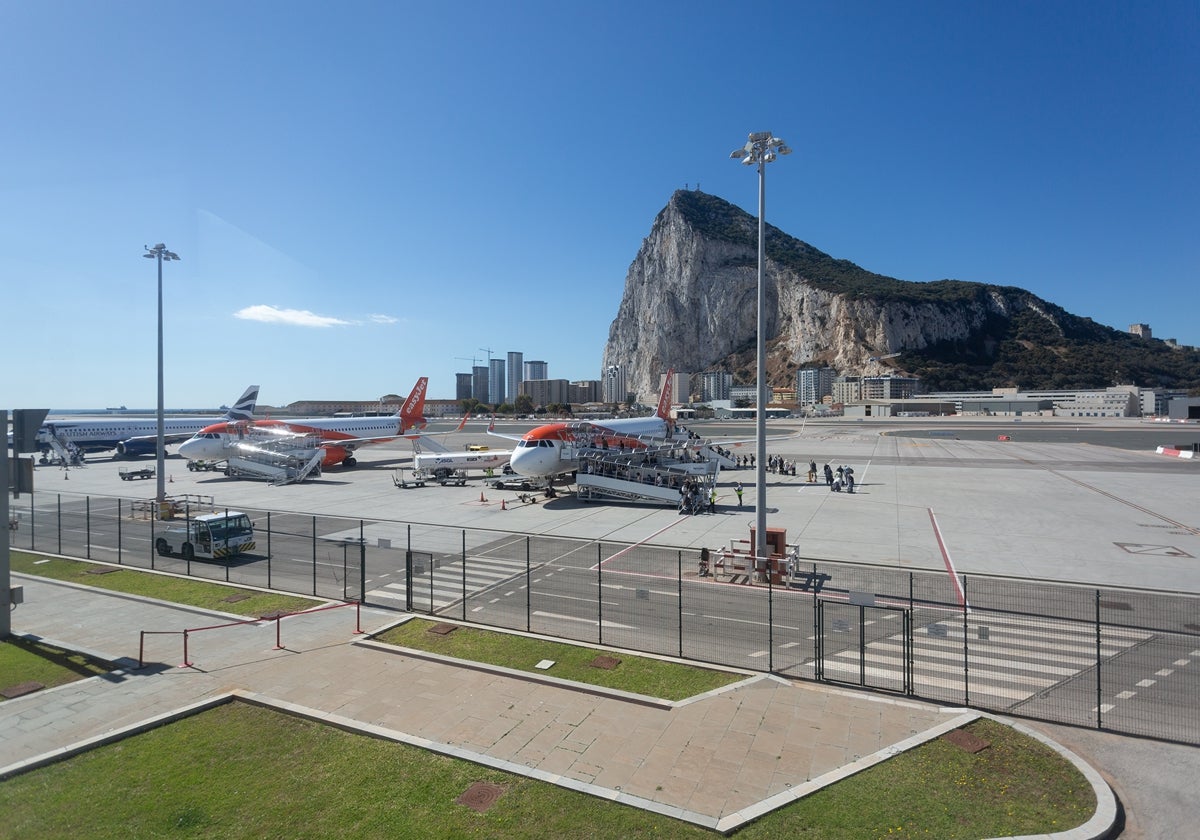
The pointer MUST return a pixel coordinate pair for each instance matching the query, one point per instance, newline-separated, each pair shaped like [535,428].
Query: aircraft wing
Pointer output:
[169,437]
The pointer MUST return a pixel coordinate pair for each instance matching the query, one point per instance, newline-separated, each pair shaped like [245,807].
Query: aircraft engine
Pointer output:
[133,448]
[334,455]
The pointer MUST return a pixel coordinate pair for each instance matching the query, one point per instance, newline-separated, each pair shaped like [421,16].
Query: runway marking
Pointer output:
[1150,549]
[937,532]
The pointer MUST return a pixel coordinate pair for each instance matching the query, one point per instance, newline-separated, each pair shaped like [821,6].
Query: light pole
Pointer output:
[160,253]
[762,148]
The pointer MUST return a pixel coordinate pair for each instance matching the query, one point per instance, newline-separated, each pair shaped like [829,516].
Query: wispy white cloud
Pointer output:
[295,317]
[384,319]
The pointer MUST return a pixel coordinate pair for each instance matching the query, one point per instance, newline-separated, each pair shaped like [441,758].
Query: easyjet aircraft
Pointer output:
[549,450]
[340,437]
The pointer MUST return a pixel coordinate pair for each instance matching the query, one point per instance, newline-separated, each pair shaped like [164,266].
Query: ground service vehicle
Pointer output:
[129,474]
[207,537]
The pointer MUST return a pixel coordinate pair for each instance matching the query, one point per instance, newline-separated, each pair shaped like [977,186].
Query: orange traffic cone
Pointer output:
[503,506]
[481,496]
[170,479]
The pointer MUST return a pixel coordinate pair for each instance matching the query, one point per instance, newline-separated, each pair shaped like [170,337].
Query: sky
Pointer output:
[363,193]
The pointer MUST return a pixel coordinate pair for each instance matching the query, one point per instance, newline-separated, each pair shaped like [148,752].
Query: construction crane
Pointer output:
[474,360]
[488,350]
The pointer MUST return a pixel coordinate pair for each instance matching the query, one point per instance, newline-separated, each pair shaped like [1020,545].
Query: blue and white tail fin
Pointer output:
[243,408]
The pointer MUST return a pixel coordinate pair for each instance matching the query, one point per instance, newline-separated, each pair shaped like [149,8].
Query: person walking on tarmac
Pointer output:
[738,490]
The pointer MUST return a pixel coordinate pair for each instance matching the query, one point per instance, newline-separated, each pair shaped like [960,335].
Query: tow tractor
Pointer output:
[201,465]
[208,537]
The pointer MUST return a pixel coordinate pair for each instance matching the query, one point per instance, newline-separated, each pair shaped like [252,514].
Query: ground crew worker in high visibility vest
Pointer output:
[738,490]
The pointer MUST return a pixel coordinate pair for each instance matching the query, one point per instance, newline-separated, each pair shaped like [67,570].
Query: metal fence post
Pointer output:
[679,580]
[362,563]
[599,593]
[464,574]
[228,559]
[87,508]
[1099,689]
[60,525]
[966,648]
[314,555]
[770,618]
[528,587]
[268,549]
[119,561]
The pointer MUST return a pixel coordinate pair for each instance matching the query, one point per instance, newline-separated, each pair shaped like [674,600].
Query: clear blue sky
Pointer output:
[429,180]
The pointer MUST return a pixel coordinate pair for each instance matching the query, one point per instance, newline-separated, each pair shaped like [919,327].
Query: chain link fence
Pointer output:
[1119,659]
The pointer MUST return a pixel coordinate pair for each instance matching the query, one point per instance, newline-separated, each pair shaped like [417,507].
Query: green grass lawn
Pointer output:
[243,771]
[195,593]
[637,674]
[22,660]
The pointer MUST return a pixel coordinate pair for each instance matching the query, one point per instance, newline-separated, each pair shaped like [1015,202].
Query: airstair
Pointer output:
[278,462]
[657,474]
[64,455]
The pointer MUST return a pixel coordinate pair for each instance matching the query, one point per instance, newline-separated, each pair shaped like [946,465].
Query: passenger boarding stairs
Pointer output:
[280,462]
[655,474]
[60,450]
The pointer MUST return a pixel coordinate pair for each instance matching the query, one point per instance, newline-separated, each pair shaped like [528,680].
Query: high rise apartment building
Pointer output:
[516,366]
[496,381]
[814,384]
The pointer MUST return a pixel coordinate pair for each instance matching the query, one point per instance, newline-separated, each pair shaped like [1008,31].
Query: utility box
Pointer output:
[776,541]
[16,595]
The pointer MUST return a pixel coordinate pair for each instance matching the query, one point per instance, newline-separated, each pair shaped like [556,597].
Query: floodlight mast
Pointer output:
[159,252]
[761,148]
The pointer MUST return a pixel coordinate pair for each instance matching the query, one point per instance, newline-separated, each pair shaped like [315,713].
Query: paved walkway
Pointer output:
[718,760]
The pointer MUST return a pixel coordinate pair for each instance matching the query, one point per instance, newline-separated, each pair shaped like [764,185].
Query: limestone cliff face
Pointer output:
[690,303]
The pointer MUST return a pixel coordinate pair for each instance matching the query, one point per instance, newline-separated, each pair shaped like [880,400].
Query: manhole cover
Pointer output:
[443,629]
[605,662]
[480,796]
[233,599]
[966,741]
[102,570]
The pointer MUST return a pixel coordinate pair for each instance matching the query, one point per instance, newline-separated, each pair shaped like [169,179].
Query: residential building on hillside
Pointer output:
[889,387]
[615,390]
[846,389]
[814,384]
[585,391]
[681,388]
[715,386]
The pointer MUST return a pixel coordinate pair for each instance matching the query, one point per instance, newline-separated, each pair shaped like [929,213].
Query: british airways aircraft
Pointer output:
[131,437]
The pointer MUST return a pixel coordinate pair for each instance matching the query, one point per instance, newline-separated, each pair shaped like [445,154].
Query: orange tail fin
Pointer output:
[412,412]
